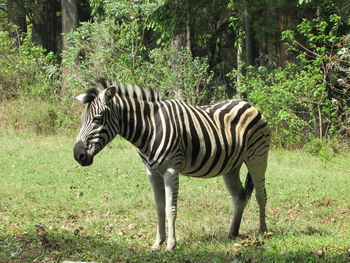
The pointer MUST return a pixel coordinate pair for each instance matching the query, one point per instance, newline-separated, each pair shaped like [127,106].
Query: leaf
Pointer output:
[320,253]
[122,232]
[131,226]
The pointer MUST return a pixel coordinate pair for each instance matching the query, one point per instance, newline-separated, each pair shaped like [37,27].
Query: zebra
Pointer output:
[172,138]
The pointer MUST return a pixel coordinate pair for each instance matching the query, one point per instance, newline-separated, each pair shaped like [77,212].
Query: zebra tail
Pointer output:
[248,186]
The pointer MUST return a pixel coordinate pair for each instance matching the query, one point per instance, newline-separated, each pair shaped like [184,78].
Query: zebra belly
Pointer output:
[213,167]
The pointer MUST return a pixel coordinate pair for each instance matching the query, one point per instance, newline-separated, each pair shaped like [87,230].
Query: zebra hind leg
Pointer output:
[257,169]
[239,198]
[171,182]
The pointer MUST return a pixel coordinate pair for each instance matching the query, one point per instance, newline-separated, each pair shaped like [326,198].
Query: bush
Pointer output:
[27,70]
[129,43]
[325,149]
[42,117]
[29,85]
[309,99]
[293,100]
[177,74]
[116,51]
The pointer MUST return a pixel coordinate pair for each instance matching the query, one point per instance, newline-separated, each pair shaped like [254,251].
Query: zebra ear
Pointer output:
[110,92]
[88,96]
[82,97]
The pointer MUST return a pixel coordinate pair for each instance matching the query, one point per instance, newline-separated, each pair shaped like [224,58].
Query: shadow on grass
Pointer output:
[255,248]
[44,246]
[39,245]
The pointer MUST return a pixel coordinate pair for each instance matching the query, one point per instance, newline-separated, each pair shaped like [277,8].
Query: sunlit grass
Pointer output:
[51,209]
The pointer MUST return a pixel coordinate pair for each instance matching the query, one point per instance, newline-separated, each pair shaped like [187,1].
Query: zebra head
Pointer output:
[99,125]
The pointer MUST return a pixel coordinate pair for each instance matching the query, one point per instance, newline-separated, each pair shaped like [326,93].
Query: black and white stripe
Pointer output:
[194,141]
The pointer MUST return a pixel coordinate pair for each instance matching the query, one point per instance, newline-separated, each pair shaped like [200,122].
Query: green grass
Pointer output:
[52,210]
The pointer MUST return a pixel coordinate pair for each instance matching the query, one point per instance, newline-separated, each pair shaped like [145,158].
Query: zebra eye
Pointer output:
[97,119]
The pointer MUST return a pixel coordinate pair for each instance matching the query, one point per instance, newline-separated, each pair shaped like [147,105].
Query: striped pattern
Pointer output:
[174,137]
[202,141]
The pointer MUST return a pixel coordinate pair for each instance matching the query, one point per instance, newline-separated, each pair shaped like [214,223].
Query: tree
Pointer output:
[44,23]
[17,16]
[286,13]
[69,23]
[69,18]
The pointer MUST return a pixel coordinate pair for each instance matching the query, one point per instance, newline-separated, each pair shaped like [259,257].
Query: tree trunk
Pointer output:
[285,14]
[263,53]
[44,30]
[240,63]
[249,40]
[17,16]
[188,35]
[69,23]
[264,14]
[69,18]
[182,37]
[282,57]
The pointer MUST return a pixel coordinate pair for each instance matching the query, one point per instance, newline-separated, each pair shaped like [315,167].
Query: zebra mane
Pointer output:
[124,90]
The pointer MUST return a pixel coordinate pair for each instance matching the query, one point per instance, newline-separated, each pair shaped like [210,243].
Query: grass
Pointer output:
[52,210]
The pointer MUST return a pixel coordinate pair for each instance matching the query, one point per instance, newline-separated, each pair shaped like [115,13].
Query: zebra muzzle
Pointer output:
[81,155]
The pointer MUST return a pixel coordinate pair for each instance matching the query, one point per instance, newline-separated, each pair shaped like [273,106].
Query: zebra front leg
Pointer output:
[157,183]
[235,188]
[171,181]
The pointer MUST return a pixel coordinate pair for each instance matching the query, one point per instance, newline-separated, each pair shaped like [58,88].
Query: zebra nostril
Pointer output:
[82,156]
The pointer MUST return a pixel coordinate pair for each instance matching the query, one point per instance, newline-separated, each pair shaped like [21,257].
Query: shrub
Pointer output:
[293,100]
[42,117]
[309,99]
[99,50]
[27,70]
[323,48]
[177,74]
[325,149]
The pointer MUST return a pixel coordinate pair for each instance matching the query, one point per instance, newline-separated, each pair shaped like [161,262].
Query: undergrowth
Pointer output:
[40,116]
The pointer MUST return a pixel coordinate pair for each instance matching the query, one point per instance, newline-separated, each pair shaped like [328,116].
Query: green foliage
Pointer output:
[40,116]
[96,8]
[116,50]
[305,100]
[27,70]
[132,40]
[284,97]
[177,74]
[326,150]
[321,38]
[112,47]
[328,51]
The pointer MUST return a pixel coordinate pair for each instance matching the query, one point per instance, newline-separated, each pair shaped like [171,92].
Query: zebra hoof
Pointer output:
[170,249]
[155,248]
[171,245]
[235,236]
[263,230]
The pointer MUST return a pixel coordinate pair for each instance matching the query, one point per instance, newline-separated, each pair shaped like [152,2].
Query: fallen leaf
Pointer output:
[237,245]
[131,226]
[298,206]
[76,231]
[269,234]
[108,213]
[320,253]
[322,202]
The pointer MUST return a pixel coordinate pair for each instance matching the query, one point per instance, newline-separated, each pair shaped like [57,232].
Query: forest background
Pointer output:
[291,59]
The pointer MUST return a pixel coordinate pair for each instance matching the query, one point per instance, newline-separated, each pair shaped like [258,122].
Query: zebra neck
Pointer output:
[136,121]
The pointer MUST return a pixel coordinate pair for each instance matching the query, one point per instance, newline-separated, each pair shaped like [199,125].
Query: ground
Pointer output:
[52,210]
